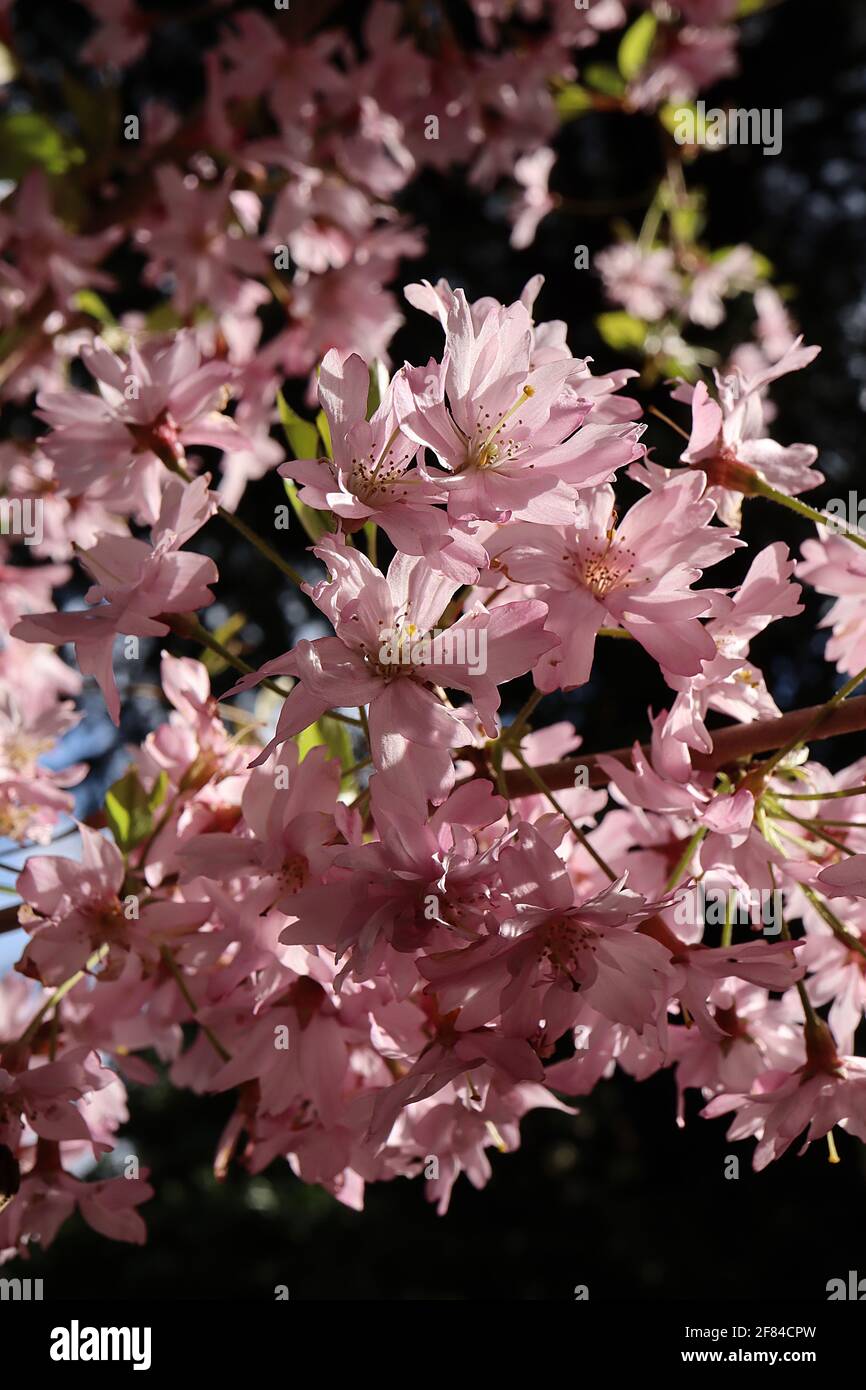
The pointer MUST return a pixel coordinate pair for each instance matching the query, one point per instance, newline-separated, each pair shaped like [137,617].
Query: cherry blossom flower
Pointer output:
[507,432]
[395,943]
[160,397]
[643,280]
[548,947]
[411,727]
[47,1200]
[638,573]
[135,584]
[836,566]
[205,239]
[694,57]
[730,683]
[728,441]
[74,909]
[43,256]
[44,1097]
[371,476]
[121,36]
[847,879]
[32,799]
[781,1107]
[418,885]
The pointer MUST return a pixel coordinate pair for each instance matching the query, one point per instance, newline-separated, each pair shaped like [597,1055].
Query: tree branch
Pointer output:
[729,744]
[735,741]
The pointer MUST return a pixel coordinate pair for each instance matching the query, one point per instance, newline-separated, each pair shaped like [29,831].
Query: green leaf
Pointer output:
[674,367]
[687,219]
[128,811]
[316,524]
[28,139]
[89,302]
[605,79]
[622,331]
[635,45]
[163,318]
[333,735]
[572,100]
[761,265]
[304,442]
[212,661]
[97,114]
[325,431]
[158,792]
[303,437]
[378,386]
[673,113]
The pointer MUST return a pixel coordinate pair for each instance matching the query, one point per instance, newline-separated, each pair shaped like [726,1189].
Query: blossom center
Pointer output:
[604,570]
[371,475]
[294,873]
[109,917]
[19,752]
[564,939]
[492,448]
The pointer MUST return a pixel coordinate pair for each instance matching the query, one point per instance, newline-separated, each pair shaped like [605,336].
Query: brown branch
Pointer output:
[9,918]
[735,741]
[729,744]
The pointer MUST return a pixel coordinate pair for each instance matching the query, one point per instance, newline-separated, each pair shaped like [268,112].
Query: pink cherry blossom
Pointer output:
[45,256]
[380,909]
[644,281]
[728,440]
[508,432]
[405,713]
[135,585]
[847,879]
[782,1107]
[160,396]
[372,477]
[638,574]
[836,566]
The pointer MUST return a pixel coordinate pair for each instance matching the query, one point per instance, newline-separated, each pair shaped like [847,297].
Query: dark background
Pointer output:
[616,1197]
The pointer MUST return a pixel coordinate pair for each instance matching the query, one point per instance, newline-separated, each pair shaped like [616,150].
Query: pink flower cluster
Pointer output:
[390,975]
[372,908]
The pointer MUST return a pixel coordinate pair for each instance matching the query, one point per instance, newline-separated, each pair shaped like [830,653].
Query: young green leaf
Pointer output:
[128,811]
[635,45]
[335,738]
[89,302]
[622,331]
[315,524]
[604,78]
[572,100]
[28,139]
[325,431]
[303,437]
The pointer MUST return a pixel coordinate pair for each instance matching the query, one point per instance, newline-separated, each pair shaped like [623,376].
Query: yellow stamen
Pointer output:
[524,395]
[383,454]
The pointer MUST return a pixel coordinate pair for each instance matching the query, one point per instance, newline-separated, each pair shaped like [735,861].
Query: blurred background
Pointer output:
[615,1197]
